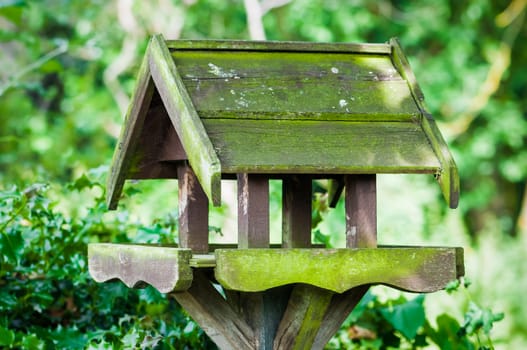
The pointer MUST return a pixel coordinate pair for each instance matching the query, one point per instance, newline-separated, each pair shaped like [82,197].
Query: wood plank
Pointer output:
[127,143]
[293,85]
[303,318]
[301,98]
[199,150]
[266,146]
[193,219]
[277,46]
[253,211]
[447,176]
[296,212]
[361,211]
[166,269]
[411,269]
[215,316]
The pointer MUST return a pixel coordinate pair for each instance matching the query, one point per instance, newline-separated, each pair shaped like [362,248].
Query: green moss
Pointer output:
[412,269]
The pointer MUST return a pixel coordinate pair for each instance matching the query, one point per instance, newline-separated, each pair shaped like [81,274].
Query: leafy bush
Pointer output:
[48,300]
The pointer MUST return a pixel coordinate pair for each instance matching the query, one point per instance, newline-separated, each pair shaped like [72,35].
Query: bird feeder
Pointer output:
[207,111]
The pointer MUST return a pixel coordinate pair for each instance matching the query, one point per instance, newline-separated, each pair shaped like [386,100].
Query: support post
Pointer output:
[361,211]
[253,211]
[215,316]
[361,232]
[193,223]
[296,212]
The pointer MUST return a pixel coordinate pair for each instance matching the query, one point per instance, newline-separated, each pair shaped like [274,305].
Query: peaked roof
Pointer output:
[232,107]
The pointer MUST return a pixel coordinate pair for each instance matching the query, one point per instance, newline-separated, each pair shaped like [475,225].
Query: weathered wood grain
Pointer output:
[303,318]
[215,316]
[361,210]
[447,176]
[193,219]
[126,145]
[411,269]
[185,119]
[253,211]
[323,147]
[277,46]
[166,269]
[296,212]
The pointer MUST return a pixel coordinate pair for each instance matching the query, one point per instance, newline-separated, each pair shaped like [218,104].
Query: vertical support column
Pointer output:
[258,309]
[296,212]
[361,232]
[361,211]
[253,211]
[193,212]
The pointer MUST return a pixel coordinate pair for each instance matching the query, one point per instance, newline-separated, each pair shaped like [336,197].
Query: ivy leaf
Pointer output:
[477,318]
[407,318]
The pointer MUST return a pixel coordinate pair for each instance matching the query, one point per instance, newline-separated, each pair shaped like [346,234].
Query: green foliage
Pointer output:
[401,323]
[48,300]
[67,69]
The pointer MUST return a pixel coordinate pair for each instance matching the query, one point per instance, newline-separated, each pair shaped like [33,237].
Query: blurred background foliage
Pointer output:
[67,70]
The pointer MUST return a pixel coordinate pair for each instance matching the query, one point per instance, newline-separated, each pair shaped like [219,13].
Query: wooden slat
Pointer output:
[215,316]
[303,99]
[278,46]
[447,176]
[266,146]
[410,269]
[185,119]
[295,85]
[166,269]
[193,219]
[361,211]
[126,145]
[296,212]
[253,211]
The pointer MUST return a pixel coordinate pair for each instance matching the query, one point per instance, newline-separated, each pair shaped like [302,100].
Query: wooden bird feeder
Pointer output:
[204,111]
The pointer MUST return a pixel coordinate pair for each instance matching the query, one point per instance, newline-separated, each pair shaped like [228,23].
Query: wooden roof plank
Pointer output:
[320,147]
[448,176]
[199,150]
[279,46]
[130,133]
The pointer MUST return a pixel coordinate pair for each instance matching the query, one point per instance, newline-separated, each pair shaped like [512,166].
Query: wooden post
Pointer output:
[361,232]
[296,212]
[193,220]
[253,211]
[361,211]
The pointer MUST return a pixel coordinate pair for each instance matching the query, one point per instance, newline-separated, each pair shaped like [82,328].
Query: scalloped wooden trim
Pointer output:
[166,269]
[417,269]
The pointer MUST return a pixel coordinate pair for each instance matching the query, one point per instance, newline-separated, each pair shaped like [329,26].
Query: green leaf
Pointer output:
[32,342]
[477,319]
[7,337]
[407,318]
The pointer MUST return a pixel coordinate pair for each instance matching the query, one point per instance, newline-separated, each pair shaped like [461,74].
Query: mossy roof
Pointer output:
[277,108]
